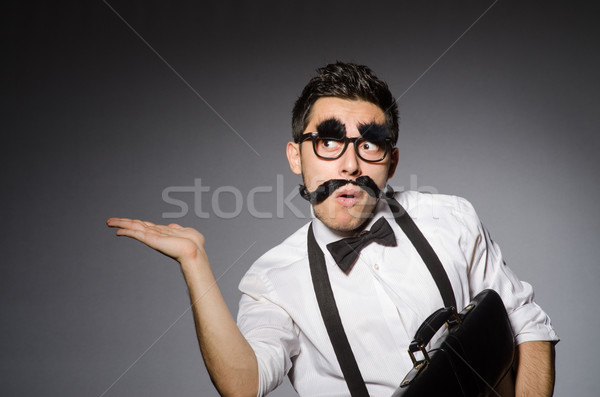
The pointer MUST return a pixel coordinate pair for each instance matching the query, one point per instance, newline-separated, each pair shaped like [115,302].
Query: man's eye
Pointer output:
[330,144]
[370,146]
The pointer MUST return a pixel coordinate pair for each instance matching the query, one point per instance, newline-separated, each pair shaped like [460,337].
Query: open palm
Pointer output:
[180,243]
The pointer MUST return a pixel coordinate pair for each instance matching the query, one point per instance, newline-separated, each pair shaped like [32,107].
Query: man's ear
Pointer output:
[394,162]
[294,158]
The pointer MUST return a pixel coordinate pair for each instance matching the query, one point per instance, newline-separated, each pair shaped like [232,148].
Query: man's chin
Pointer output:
[344,219]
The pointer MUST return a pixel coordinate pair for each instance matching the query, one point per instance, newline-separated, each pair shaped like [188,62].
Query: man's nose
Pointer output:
[349,163]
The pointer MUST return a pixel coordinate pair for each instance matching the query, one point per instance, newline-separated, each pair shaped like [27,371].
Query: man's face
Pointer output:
[349,206]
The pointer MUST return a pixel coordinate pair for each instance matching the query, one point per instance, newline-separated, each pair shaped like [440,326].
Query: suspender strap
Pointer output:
[326,300]
[332,320]
[427,253]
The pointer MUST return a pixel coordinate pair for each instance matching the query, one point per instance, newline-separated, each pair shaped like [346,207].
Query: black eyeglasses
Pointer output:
[331,149]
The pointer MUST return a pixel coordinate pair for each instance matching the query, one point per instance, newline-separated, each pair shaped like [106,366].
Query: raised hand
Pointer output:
[228,356]
[180,243]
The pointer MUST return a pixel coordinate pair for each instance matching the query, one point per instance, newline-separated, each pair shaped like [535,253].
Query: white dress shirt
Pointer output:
[382,300]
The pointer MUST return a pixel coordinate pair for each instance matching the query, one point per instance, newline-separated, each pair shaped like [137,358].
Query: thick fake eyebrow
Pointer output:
[373,132]
[331,129]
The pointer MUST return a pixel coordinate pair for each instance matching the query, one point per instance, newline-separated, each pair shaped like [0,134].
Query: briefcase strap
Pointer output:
[326,299]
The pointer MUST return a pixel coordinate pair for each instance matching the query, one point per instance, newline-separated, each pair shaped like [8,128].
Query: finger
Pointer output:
[144,235]
[112,220]
[175,226]
[126,223]
[136,234]
[167,244]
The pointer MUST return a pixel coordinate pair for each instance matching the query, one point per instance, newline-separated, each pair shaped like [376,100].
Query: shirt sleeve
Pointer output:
[487,269]
[269,330]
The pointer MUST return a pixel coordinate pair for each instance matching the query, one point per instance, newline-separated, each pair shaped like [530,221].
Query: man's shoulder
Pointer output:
[422,204]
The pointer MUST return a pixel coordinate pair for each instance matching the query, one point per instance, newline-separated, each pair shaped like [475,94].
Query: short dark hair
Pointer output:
[346,81]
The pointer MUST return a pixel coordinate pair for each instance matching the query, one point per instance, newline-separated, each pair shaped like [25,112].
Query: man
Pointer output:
[345,129]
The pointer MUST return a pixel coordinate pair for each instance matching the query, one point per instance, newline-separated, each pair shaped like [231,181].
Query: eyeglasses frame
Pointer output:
[314,135]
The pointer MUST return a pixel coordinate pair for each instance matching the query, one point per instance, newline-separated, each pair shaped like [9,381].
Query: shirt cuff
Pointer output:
[530,323]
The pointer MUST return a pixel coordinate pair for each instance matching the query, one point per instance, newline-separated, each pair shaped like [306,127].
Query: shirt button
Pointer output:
[376,266]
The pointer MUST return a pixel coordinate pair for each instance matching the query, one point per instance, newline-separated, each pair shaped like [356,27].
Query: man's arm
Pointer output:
[230,360]
[535,369]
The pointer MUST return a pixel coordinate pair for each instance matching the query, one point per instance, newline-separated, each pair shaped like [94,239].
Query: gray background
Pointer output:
[95,124]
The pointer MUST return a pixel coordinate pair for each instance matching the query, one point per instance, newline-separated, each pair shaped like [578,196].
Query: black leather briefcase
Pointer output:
[471,360]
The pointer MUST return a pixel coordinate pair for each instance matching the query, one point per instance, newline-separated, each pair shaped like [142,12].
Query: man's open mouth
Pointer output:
[347,197]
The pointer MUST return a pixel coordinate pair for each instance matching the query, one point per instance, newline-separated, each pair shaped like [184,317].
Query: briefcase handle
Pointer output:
[430,327]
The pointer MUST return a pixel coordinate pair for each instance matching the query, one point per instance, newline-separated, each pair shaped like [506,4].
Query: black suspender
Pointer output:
[331,317]
[427,253]
[326,300]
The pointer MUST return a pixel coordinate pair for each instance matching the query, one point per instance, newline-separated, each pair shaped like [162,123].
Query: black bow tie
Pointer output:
[346,251]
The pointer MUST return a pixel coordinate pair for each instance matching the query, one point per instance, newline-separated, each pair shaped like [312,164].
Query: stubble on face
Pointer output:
[350,219]
[346,218]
